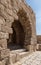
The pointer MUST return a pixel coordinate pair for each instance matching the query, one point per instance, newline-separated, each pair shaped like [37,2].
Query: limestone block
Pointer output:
[9,11]
[9,5]
[2,62]
[40,47]
[2,21]
[37,47]
[4,53]
[18,63]
[1,6]
[15,16]
[3,43]
[4,2]
[6,29]
[8,23]
[5,61]
[21,55]
[12,58]
[0,27]
[6,15]
[18,57]
[4,35]
[29,47]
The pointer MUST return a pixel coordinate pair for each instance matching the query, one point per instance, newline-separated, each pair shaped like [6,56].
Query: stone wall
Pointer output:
[39,39]
[38,42]
[11,10]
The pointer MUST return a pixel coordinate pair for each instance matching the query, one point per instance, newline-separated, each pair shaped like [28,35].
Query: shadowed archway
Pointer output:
[16,39]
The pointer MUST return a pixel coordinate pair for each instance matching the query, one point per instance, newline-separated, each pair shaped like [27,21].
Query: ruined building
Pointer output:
[17,28]
[39,42]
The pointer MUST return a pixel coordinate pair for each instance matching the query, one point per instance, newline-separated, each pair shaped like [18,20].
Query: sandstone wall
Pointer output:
[39,39]
[11,10]
[38,42]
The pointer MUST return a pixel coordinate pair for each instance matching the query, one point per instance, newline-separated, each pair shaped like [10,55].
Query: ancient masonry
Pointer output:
[38,42]
[17,28]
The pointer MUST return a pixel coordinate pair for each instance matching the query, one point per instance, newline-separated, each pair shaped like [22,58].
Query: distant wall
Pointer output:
[39,39]
[39,42]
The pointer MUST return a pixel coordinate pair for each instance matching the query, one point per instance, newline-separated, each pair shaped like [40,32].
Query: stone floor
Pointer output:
[33,59]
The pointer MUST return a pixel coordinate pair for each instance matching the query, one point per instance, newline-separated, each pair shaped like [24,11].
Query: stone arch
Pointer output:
[22,31]
[27,25]
[16,40]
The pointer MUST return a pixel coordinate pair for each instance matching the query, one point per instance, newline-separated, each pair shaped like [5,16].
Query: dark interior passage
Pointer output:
[16,40]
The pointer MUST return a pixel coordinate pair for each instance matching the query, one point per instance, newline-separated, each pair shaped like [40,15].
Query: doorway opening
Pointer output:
[17,38]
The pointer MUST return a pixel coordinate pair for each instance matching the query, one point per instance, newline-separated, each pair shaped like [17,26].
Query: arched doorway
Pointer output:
[16,39]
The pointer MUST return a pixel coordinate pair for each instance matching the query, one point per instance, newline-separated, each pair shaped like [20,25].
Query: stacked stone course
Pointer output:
[39,42]
[11,10]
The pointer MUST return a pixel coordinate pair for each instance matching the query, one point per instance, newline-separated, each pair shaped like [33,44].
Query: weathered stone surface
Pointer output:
[4,53]
[21,55]
[33,59]
[38,47]
[16,56]
[2,21]
[18,10]
[2,62]
[4,35]
[8,23]
[13,57]
[30,48]
[38,42]
[17,25]
[6,29]
[3,43]
[0,27]
[39,39]
[5,61]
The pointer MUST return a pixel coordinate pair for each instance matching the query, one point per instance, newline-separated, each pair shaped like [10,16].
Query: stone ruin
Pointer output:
[17,28]
[39,42]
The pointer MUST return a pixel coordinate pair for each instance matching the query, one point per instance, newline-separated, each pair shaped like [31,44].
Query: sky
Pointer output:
[36,6]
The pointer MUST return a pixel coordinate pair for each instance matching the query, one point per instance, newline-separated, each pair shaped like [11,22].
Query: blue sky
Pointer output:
[36,6]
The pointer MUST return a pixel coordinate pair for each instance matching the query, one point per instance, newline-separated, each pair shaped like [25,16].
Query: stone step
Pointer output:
[32,59]
[21,55]
[39,47]
[14,57]
[17,51]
